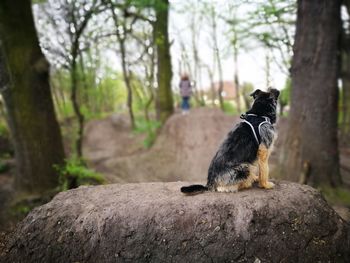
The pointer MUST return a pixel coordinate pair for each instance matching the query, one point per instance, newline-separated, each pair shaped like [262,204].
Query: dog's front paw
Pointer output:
[268,185]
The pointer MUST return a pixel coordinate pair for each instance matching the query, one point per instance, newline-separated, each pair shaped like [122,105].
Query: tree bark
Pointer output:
[216,56]
[79,26]
[76,106]
[236,78]
[127,81]
[32,121]
[345,76]
[311,139]
[164,98]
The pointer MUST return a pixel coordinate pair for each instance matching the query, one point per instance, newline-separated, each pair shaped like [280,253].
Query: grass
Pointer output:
[150,128]
[75,169]
[230,109]
[336,196]
[4,167]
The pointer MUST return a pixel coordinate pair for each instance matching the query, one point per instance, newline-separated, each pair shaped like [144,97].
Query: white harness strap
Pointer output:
[267,120]
[251,126]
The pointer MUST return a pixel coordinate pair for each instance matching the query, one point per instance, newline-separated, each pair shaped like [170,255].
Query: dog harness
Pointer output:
[254,121]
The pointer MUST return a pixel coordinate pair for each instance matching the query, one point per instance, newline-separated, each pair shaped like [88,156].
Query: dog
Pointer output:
[242,158]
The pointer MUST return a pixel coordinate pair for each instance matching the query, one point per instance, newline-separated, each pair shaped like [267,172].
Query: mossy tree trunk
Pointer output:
[345,76]
[32,121]
[311,147]
[164,96]
[74,98]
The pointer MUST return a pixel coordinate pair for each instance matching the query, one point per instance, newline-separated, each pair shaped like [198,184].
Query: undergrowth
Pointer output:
[150,127]
[337,196]
[229,108]
[75,173]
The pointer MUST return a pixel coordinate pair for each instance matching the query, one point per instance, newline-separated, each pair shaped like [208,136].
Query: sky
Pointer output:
[251,60]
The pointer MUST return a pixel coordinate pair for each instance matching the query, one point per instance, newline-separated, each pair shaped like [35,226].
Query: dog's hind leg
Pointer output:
[263,158]
[246,183]
[252,177]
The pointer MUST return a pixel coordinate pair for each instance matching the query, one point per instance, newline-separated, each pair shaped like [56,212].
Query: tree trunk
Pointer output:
[236,79]
[85,82]
[127,81]
[311,145]
[149,86]
[212,85]
[216,57]
[4,74]
[345,76]
[74,98]
[267,69]
[164,98]
[126,72]
[32,121]
[221,83]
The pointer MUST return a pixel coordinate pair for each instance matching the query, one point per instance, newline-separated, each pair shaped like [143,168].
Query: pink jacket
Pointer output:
[185,88]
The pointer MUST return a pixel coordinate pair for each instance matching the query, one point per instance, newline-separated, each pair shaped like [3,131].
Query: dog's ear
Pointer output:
[274,93]
[256,93]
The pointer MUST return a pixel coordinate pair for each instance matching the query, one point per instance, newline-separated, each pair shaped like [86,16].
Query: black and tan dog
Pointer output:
[243,156]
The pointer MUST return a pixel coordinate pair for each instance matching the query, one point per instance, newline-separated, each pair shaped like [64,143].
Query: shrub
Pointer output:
[75,173]
[150,128]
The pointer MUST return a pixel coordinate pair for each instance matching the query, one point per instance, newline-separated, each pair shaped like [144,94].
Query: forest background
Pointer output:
[70,67]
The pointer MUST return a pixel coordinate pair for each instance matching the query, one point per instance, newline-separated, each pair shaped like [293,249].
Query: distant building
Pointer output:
[228,93]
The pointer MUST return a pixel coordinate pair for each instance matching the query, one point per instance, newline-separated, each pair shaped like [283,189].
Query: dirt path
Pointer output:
[182,150]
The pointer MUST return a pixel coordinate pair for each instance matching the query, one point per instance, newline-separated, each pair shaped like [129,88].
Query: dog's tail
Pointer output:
[194,189]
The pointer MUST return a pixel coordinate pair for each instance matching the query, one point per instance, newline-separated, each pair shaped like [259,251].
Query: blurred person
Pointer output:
[185,92]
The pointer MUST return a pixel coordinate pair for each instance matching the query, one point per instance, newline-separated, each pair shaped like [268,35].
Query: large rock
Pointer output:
[154,222]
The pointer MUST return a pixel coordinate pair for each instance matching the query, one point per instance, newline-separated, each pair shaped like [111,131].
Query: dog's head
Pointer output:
[265,103]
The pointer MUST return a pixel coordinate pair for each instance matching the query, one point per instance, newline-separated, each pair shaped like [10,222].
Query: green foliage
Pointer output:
[4,132]
[21,209]
[23,203]
[159,5]
[38,1]
[4,167]
[272,23]
[285,93]
[67,110]
[150,128]
[229,108]
[247,88]
[336,196]
[76,170]
[97,96]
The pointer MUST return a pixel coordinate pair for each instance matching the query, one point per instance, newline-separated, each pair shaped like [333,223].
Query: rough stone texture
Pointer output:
[154,222]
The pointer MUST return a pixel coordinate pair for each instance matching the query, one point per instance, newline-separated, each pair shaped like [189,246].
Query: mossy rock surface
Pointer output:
[154,222]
